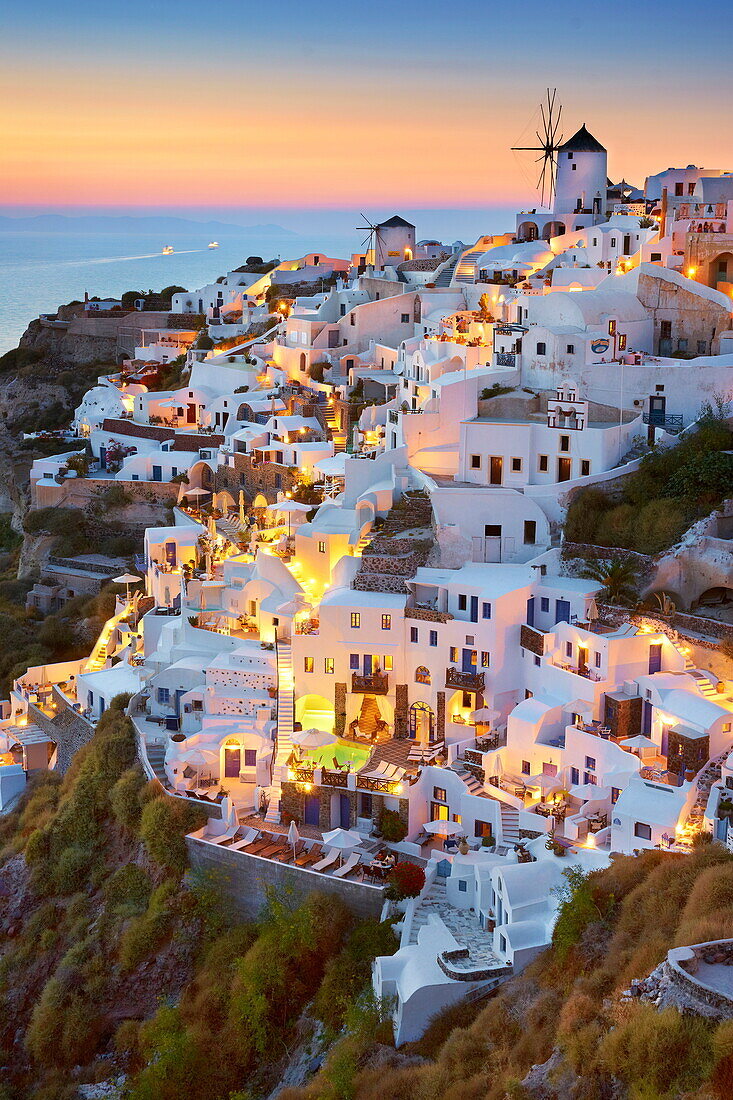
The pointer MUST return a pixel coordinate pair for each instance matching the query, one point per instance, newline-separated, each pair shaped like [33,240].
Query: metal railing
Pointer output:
[670,422]
[468,681]
[375,684]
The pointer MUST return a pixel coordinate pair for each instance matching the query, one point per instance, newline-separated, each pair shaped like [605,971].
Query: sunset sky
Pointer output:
[290,103]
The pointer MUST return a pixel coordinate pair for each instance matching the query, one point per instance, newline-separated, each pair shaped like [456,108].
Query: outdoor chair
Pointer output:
[248,839]
[290,854]
[327,861]
[311,856]
[349,867]
[223,837]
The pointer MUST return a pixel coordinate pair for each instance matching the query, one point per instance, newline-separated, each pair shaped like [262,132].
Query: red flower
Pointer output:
[407,879]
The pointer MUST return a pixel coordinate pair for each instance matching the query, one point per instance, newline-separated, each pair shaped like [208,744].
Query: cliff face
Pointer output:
[61,348]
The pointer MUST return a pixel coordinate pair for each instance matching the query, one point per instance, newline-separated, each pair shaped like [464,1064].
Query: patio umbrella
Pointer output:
[197,493]
[484,715]
[293,835]
[333,466]
[313,738]
[590,792]
[343,839]
[241,509]
[127,579]
[546,783]
[288,508]
[444,828]
[199,758]
[639,742]
[211,524]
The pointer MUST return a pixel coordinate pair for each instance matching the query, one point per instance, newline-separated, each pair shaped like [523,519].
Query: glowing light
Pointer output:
[691,272]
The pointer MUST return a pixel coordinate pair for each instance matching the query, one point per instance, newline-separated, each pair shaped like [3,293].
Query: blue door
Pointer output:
[311,810]
[530,611]
[368,664]
[170,553]
[562,611]
[180,692]
[103,457]
[157,473]
[646,718]
[474,609]
[469,660]
[344,811]
[655,657]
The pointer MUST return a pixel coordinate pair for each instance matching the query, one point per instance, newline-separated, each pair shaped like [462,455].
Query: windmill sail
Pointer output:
[549,141]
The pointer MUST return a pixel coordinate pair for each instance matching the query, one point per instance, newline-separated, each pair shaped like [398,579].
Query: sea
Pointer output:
[41,270]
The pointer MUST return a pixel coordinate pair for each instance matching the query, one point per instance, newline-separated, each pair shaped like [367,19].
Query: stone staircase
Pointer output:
[156,759]
[709,775]
[285,719]
[338,437]
[473,785]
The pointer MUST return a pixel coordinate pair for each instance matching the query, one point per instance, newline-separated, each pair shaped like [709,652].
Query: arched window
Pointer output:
[422,675]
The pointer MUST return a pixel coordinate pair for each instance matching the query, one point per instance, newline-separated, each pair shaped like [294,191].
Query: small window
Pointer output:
[462,602]
[574,167]
[590,763]
[544,603]
[439,794]
[541,348]
[405,318]
[413,635]
[475,462]
[485,610]
[422,675]
[542,463]
[462,885]
[568,649]
[597,659]
[656,257]
[355,619]
[433,638]
[530,532]
[584,467]
[328,665]
[615,794]
[526,767]
[665,330]
[702,347]
[516,465]
[453,654]
[564,442]
[537,661]
[250,758]
[644,832]
[354,661]
[574,777]
[307,664]
[570,349]
[682,345]
[164,695]
[321,548]
[386,622]
[485,659]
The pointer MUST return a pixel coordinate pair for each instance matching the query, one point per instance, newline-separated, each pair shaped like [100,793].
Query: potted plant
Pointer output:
[406,880]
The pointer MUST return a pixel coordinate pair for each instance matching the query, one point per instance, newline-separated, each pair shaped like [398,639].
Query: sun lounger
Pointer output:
[311,856]
[349,867]
[290,855]
[221,838]
[327,861]
[271,849]
[249,838]
[256,846]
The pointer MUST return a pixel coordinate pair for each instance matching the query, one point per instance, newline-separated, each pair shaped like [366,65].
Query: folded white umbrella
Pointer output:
[444,828]
[313,739]
[293,835]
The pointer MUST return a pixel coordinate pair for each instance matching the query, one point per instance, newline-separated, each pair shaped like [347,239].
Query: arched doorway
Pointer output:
[553,229]
[303,361]
[720,269]
[422,724]
[232,758]
[527,231]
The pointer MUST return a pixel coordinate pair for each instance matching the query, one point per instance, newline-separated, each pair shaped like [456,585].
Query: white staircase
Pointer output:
[473,785]
[285,719]
[684,651]
[509,823]
[704,684]
[446,272]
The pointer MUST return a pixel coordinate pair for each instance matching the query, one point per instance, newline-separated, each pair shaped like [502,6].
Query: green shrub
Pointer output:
[146,932]
[128,890]
[72,869]
[124,798]
[163,826]
[349,972]
[391,826]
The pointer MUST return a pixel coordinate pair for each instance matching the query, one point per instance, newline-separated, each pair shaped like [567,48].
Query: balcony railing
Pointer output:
[378,786]
[376,684]
[334,779]
[505,359]
[670,423]
[467,681]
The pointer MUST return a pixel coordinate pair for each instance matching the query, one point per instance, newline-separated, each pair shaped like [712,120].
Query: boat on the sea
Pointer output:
[168,249]
[213,244]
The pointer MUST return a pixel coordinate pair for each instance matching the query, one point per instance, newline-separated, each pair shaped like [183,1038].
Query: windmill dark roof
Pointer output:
[582,142]
[395,222]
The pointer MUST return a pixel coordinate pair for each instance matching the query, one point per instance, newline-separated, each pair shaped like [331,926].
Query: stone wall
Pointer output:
[251,478]
[400,711]
[681,968]
[623,715]
[245,879]
[68,730]
[339,700]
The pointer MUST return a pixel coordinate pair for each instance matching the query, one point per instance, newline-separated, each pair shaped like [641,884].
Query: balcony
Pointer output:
[669,422]
[376,684]
[464,681]
[505,359]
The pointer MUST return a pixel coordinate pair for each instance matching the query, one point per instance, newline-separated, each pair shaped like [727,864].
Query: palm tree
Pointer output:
[616,577]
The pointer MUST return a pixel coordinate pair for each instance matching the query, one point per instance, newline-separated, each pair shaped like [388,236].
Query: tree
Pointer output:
[616,577]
